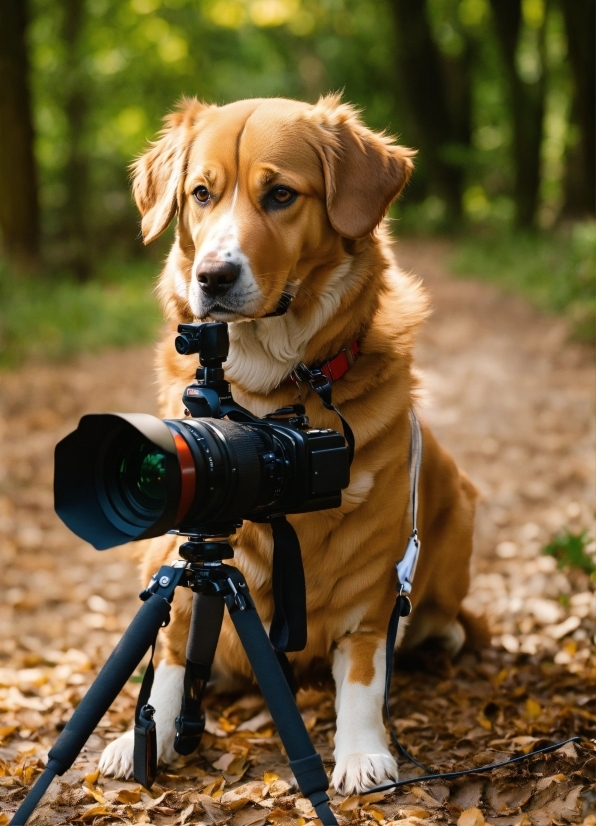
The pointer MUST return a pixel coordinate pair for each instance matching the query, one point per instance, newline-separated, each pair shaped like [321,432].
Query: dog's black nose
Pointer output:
[216,277]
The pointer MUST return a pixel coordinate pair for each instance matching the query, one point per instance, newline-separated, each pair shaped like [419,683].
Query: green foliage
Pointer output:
[556,271]
[138,57]
[58,318]
[569,550]
[135,58]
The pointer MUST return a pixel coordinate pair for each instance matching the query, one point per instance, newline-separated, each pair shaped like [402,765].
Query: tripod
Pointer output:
[215,585]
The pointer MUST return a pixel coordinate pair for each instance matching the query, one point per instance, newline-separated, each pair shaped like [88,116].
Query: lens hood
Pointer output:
[88,494]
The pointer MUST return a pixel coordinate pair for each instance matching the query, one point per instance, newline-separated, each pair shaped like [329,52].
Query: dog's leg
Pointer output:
[166,697]
[362,758]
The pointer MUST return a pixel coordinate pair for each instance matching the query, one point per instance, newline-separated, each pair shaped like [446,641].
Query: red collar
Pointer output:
[333,369]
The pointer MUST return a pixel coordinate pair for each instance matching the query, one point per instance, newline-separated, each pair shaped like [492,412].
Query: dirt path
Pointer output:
[514,402]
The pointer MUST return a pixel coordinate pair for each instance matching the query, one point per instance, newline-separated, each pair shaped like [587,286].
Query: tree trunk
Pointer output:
[527,109]
[580,178]
[19,207]
[438,99]
[78,257]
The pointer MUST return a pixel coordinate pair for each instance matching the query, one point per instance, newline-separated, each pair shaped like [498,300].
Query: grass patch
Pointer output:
[555,272]
[54,318]
[569,549]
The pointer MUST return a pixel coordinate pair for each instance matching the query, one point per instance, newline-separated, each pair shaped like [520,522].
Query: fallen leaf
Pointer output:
[96,811]
[415,811]
[471,817]
[376,813]
[467,795]
[349,804]
[425,797]
[6,733]
[375,797]
[157,801]
[249,817]
[279,788]
[224,761]
[186,813]
[545,782]
[213,788]
[270,778]
[96,794]
[129,796]
[533,708]
[254,791]
[91,779]
[236,769]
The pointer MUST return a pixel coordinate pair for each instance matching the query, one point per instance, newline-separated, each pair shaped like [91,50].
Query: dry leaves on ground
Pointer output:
[512,401]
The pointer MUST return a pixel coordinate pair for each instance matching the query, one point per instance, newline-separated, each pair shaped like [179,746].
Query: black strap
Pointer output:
[313,783]
[145,736]
[288,671]
[190,723]
[479,770]
[288,626]
[324,392]
[322,387]
[403,608]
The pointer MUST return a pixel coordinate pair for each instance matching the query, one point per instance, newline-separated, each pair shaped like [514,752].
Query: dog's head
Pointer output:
[267,191]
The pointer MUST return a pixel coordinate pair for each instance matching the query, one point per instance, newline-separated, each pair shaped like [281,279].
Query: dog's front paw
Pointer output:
[117,757]
[355,773]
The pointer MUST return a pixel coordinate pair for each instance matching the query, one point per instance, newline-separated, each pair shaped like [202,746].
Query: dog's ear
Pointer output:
[158,175]
[364,170]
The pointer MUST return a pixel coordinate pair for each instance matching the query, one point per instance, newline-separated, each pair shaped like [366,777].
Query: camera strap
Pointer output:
[321,384]
[145,735]
[288,626]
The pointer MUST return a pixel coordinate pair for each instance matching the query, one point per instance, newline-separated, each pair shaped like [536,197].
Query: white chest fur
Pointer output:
[263,352]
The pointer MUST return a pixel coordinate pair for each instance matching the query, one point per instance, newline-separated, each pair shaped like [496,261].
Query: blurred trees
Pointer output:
[526,99]
[437,88]
[580,189]
[19,211]
[75,94]
[495,94]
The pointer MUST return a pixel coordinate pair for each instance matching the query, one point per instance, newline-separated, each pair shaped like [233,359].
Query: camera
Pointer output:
[122,477]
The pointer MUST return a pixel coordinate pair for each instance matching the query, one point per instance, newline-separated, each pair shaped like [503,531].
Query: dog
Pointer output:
[275,196]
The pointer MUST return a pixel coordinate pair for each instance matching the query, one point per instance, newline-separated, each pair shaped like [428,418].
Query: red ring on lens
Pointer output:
[187,476]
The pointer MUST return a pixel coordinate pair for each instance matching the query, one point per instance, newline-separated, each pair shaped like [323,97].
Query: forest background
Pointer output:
[497,95]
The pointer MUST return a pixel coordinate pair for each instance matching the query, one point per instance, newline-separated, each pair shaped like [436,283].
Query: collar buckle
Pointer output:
[312,375]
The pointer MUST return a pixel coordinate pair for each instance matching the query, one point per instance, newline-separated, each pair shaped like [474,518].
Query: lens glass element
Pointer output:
[142,476]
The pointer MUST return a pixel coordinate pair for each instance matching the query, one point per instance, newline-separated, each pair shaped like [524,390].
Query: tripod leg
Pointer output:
[137,639]
[304,760]
[205,627]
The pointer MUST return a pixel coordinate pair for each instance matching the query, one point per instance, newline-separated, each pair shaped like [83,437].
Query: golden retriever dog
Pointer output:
[275,195]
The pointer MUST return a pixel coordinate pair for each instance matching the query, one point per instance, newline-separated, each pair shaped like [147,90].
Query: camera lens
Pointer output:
[124,476]
[142,476]
[131,477]
[228,479]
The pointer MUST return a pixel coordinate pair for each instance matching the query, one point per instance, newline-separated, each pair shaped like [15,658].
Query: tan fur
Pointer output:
[363,648]
[346,177]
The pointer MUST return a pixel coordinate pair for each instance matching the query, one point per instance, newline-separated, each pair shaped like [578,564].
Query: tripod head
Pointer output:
[210,394]
[199,550]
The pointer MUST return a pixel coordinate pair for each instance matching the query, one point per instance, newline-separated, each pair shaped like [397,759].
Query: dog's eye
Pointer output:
[202,194]
[282,195]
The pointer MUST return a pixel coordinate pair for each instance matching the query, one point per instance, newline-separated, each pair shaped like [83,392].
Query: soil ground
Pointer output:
[513,400]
